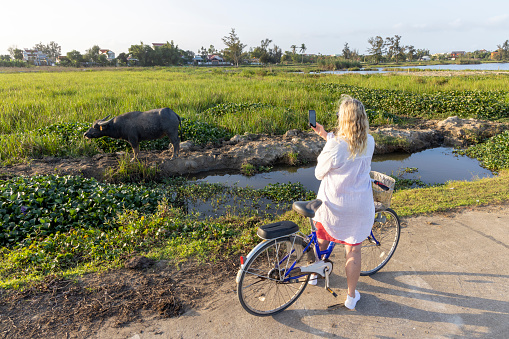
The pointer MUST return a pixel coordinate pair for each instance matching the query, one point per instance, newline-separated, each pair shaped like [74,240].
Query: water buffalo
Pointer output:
[138,126]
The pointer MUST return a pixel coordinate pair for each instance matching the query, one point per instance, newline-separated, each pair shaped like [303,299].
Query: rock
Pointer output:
[236,139]
[461,132]
[139,263]
[270,150]
[186,145]
[293,133]
[390,140]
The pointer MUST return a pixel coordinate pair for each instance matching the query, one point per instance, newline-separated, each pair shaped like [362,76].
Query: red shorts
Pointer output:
[321,233]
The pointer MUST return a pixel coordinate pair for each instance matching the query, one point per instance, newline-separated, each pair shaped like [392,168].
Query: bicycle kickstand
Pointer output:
[327,272]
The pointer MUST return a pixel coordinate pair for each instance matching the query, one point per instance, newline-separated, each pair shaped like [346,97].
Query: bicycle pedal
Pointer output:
[332,292]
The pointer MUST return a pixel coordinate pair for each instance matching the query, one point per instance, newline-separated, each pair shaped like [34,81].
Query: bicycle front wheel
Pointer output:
[379,247]
[271,279]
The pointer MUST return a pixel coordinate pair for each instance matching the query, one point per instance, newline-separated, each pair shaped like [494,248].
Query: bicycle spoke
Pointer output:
[379,247]
[264,287]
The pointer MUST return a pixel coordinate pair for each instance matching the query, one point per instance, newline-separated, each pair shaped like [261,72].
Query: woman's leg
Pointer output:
[352,267]
[323,244]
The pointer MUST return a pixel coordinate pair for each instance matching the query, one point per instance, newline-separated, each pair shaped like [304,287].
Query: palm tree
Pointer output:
[294,48]
[302,50]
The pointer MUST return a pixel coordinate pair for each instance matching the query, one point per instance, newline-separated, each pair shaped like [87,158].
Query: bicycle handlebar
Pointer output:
[379,184]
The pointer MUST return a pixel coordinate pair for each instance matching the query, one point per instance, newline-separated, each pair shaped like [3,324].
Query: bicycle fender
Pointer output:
[248,257]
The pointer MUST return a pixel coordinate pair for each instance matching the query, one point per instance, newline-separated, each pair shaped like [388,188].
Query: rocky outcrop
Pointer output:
[461,132]
[295,145]
[390,140]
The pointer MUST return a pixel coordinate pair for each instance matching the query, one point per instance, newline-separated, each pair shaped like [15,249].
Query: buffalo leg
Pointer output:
[176,146]
[136,148]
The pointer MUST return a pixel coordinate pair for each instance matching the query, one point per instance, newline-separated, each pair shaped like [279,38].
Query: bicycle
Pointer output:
[276,272]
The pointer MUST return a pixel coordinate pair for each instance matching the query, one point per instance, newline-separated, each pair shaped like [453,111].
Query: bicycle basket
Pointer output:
[382,198]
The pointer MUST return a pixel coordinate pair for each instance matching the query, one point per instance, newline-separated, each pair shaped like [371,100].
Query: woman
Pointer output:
[346,215]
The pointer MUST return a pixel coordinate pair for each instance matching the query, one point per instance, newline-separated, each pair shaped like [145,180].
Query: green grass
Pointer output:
[65,225]
[35,100]
[492,154]
[451,195]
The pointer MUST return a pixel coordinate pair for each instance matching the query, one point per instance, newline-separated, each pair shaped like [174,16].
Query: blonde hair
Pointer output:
[353,126]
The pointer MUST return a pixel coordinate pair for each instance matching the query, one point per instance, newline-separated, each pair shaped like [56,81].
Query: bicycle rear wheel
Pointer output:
[263,288]
[379,247]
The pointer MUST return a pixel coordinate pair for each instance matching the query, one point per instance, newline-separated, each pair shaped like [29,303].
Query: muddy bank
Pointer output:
[263,150]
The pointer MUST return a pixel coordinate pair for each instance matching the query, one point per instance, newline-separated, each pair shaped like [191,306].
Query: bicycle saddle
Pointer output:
[307,208]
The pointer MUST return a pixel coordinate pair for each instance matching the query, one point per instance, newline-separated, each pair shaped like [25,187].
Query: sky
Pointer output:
[323,26]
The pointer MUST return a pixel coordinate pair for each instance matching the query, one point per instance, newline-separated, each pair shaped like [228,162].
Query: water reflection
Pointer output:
[498,66]
[436,165]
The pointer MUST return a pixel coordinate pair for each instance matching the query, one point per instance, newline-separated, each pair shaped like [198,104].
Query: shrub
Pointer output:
[493,154]
[42,205]
[489,105]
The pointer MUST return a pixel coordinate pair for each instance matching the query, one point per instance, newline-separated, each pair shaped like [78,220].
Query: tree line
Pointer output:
[389,49]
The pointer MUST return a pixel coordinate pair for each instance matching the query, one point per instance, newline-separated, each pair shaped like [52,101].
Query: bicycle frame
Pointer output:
[323,255]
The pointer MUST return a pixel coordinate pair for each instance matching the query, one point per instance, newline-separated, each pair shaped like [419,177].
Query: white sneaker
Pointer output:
[351,302]
[313,279]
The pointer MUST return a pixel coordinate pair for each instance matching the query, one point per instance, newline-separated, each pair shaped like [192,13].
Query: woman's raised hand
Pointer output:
[320,131]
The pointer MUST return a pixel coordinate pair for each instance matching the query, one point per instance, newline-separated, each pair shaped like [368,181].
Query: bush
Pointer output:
[42,205]
[493,154]
[489,105]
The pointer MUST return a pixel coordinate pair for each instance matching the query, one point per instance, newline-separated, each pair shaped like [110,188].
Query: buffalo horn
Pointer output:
[103,121]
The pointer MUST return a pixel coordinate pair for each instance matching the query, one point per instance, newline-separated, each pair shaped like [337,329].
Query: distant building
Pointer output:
[216,60]
[109,54]
[255,61]
[426,58]
[493,55]
[210,60]
[132,61]
[35,57]
[198,59]
[457,54]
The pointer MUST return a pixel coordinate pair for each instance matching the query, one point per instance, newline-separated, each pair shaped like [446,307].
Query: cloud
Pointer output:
[499,19]
[420,26]
[456,23]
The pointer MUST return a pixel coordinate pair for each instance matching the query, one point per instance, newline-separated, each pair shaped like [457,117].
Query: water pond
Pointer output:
[498,66]
[437,165]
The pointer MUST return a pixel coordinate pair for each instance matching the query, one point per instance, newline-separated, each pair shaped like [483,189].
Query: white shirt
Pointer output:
[348,210]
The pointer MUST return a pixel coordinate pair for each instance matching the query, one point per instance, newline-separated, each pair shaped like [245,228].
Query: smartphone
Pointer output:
[312,117]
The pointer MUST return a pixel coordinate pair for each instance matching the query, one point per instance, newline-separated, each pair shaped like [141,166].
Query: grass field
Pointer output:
[33,100]
[254,100]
